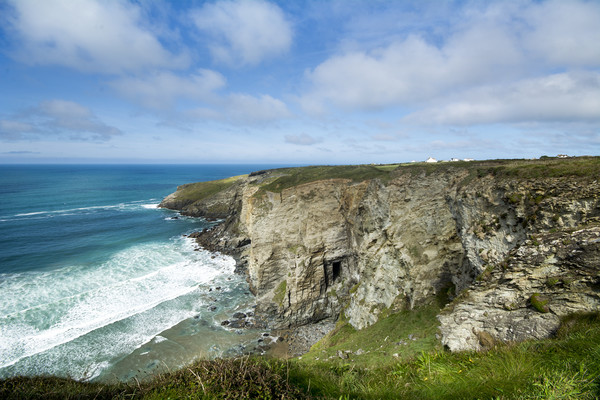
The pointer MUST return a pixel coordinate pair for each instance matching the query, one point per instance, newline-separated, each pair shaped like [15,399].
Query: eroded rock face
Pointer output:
[545,278]
[361,247]
[320,248]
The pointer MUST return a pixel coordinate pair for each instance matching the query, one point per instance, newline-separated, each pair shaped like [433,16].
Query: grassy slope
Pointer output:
[566,367]
[192,192]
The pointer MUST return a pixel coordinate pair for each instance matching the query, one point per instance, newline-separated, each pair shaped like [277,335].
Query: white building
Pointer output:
[431,160]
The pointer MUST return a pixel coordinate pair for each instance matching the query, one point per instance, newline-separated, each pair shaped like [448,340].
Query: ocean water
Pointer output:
[98,283]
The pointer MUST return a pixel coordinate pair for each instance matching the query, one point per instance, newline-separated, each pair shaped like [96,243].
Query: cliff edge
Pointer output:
[513,242]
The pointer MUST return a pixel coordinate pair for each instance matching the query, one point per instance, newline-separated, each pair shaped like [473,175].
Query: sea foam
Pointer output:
[40,311]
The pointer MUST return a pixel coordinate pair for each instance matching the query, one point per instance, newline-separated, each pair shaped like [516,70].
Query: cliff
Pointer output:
[370,240]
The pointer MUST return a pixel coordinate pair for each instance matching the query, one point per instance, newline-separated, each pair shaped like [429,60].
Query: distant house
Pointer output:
[431,160]
[454,159]
[468,159]
[562,156]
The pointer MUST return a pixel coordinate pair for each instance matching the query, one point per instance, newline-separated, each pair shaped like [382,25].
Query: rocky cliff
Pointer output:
[369,240]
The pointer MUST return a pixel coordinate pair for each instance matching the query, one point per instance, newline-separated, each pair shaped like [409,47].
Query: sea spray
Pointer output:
[93,275]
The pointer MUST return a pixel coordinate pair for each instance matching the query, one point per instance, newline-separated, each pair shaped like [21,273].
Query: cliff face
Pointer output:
[545,278]
[370,246]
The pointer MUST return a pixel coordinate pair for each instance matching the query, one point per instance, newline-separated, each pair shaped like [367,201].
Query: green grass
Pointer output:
[280,293]
[582,167]
[284,178]
[290,177]
[381,341]
[193,192]
[588,167]
[565,367]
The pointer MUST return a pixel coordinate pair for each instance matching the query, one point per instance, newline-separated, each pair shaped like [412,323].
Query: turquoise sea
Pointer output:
[96,282]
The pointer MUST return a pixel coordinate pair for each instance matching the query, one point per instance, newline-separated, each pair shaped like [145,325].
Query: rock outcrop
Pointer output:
[549,276]
[395,239]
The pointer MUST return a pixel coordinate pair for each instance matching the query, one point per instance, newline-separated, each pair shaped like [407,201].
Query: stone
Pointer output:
[536,300]
[315,249]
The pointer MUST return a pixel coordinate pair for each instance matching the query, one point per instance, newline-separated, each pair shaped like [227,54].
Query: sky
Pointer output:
[297,82]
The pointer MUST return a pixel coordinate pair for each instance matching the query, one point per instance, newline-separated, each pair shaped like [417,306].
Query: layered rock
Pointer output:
[370,246]
[547,277]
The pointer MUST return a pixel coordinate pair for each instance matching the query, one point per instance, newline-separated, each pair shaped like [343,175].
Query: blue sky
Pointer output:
[297,82]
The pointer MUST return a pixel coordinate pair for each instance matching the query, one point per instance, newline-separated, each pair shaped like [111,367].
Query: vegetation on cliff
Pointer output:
[565,367]
[192,192]
[277,180]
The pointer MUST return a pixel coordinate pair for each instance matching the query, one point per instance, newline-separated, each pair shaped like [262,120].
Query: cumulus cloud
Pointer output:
[87,35]
[59,118]
[302,139]
[239,108]
[161,90]
[565,32]
[255,109]
[554,98]
[244,32]
[14,130]
[500,43]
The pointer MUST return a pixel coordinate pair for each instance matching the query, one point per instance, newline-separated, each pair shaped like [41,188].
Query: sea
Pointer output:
[98,283]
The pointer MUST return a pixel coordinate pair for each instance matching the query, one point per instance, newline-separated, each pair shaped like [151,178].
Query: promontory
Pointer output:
[512,245]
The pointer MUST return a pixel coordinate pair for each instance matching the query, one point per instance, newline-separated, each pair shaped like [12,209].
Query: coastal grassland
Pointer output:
[546,167]
[192,192]
[399,336]
[290,177]
[565,367]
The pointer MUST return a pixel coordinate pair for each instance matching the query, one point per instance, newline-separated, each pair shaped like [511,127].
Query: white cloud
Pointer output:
[161,90]
[555,98]
[64,110]
[244,31]
[238,108]
[88,35]
[251,109]
[500,44]
[59,118]
[384,137]
[565,32]
[302,139]
[368,80]
[14,130]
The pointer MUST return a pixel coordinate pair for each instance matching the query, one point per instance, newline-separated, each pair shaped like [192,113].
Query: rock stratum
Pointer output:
[514,243]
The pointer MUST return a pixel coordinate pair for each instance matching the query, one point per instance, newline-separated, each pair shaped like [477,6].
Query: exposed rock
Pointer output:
[550,276]
[365,248]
